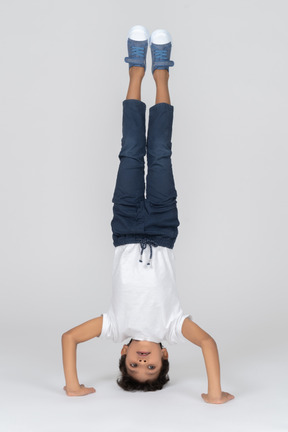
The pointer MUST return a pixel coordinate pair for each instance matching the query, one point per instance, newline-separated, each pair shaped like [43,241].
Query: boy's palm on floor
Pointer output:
[225,397]
[82,391]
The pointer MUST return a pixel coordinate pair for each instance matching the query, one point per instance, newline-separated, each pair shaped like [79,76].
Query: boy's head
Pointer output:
[144,366]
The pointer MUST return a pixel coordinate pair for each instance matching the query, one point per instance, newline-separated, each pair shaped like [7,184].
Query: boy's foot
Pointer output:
[137,46]
[160,50]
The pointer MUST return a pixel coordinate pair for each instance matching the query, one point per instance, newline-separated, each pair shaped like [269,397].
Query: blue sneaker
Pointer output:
[137,46]
[161,44]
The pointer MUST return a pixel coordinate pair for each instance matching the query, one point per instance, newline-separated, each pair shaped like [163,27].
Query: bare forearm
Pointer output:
[69,348]
[211,357]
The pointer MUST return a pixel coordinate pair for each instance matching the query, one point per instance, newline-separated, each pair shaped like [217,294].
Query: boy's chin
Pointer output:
[144,342]
[144,345]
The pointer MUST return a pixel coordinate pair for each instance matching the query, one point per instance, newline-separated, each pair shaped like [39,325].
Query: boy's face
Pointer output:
[144,359]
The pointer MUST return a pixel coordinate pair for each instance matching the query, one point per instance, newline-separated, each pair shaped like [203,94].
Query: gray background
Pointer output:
[62,83]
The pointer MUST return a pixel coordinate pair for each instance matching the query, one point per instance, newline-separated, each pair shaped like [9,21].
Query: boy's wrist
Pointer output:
[214,387]
[214,394]
[73,388]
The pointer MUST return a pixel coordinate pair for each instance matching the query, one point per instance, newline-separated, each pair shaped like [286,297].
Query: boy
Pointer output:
[145,306]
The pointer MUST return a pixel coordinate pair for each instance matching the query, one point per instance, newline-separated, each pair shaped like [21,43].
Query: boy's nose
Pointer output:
[142,360]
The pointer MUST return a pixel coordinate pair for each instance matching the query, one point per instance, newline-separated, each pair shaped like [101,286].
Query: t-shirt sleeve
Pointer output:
[174,332]
[107,327]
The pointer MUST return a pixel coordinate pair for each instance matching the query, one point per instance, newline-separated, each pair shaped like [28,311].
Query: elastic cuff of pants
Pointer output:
[162,106]
[134,102]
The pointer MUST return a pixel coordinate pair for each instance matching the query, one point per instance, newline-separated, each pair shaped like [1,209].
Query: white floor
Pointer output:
[32,398]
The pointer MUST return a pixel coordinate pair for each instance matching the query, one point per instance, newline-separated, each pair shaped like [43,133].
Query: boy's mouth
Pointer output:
[143,353]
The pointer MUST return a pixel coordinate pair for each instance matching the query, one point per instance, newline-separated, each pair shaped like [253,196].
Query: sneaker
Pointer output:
[137,46]
[161,44]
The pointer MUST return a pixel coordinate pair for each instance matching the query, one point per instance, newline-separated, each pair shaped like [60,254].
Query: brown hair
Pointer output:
[126,382]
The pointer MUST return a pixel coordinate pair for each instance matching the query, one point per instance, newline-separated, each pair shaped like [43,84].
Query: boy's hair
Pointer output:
[126,382]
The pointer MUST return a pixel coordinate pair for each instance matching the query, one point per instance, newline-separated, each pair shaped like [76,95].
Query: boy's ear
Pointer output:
[124,350]
[164,354]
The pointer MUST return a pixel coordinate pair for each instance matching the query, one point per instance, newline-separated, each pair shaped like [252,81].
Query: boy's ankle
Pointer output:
[161,75]
[136,72]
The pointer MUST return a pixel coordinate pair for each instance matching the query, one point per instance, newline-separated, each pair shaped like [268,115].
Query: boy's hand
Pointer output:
[224,397]
[81,391]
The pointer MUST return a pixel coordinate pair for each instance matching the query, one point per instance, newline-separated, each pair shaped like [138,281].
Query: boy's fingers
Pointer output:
[84,391]
[226,397]
[92,390]
[88,391]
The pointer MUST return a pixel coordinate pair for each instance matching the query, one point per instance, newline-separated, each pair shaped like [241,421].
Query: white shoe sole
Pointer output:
[138,33]
[160,37]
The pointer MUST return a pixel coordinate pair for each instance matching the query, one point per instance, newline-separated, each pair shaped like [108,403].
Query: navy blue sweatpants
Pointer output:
[138,215]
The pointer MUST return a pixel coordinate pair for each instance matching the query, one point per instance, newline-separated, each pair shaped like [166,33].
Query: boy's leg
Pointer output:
[136,75]
[161,78]
[129,190]
[161,192]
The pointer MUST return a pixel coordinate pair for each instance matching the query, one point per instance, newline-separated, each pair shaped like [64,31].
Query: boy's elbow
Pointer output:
[67,336]
[208,341]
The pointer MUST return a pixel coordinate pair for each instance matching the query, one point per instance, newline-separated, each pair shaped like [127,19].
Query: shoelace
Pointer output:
[160,54]
[143,245]
[137,51]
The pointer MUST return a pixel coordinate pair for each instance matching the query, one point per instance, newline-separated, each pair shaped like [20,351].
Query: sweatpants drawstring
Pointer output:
[143,245]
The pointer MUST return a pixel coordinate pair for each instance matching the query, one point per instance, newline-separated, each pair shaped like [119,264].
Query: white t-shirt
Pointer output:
[145,303]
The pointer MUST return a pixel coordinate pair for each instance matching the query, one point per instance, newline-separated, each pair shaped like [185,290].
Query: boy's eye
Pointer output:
[151,367]
[133,365]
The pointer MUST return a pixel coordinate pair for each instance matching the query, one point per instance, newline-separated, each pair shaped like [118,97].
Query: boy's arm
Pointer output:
[70,340]
[196,335]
